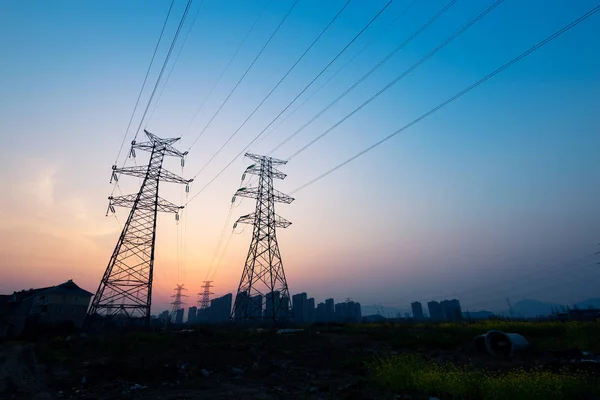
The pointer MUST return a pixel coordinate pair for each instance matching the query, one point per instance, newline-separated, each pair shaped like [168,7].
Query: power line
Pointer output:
[244,75]
[336,73]
[276,86]
[159,77]
[162,70]
[392,83]
[175,63]
[225,69]
[375,68]
[144,83]
[456,96]
[293,100]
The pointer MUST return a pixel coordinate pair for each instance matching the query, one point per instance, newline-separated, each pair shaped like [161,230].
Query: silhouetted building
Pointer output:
[320,314]
[451,310]
[348,311]
[192,311]
[435,311]
[299,308]
[164,316]
[272,304]
[241,302]
[179,316]
[417,310]
[256,307]
[203,315]
[329,310]
[339,312]
[310,310]
[220,309]
[66,302]
[284,308]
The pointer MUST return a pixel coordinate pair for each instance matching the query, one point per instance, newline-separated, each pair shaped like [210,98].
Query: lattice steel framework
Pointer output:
[205,295]
[126,287]
[177,304]
[263,277]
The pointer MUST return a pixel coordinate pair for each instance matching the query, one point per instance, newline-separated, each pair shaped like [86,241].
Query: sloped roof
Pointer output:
[24,294]
[69,287]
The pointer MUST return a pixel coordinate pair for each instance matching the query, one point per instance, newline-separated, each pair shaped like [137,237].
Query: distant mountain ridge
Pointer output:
[526,308]
[530,308]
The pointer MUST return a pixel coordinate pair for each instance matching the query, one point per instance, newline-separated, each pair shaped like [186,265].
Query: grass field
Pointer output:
[370,361]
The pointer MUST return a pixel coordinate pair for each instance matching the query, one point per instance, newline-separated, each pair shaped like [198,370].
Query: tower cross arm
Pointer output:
[168,176]
[255,170]
[253,193]
[167,148]
[129,200]
[260,159]
[250,219]
[142,171]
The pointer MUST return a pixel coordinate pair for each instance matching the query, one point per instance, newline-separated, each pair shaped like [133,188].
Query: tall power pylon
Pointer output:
[205,295]
[126,287]
[177,304]
[263,276]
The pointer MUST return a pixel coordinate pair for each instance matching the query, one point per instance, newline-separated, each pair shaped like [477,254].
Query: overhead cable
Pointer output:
[226,69]
[175,62]
[293,100]
[144,83]
[375,68]
[276,86]
[244,75]
[393,82]
[455,97]
[162,70]
[337,72]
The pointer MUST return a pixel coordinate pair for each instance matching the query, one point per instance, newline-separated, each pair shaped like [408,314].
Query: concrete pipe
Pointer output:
[501,344]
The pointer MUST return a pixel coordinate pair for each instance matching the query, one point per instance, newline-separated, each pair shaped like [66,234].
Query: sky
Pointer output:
[494,196]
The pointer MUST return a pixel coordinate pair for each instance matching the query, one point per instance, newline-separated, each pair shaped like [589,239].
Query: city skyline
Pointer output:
[493,197]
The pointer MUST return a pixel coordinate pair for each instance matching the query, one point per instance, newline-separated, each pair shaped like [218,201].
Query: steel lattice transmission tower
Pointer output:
[126,287]
[205,299]
[177,304]
[263,279]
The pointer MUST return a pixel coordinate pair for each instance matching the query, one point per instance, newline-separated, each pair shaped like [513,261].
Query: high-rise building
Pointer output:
[255,310]
[299,307]
[179,316]
[272,301]
[241,301]
[320,315]
[310,310]
[339,312]
[164,316]
[348,311]
[192,315]
[284,309]
[435,311]
[355,311]
[220,309]
[417,310]
[451,310]
[202,315]
[329,310]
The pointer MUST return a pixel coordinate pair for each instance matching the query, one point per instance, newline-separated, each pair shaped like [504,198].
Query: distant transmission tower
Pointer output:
[126,287]
[263,277]
[205,299]
[177,305]
[510,308]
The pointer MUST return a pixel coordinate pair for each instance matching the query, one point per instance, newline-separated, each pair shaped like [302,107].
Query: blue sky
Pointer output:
[500,184]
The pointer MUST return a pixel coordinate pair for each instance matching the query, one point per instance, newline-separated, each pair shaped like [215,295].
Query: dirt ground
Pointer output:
[218,364]
[21,375]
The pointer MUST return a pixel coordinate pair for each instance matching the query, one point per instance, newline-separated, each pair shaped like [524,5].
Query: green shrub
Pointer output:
[409,373]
